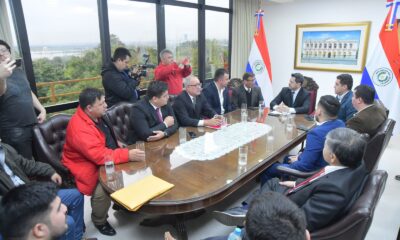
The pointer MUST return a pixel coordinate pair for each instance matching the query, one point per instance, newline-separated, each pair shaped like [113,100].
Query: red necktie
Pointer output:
[159,115]
[306,181]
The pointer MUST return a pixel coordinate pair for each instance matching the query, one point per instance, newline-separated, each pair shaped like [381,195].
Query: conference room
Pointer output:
[165,116]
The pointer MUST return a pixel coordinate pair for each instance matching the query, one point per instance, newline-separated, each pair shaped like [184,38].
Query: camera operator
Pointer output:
[118,83]
[170,72]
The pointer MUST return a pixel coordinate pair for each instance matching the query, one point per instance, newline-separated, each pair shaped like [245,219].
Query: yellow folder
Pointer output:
[135,195]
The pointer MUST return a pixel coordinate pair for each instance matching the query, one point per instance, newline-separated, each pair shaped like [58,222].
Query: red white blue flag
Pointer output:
[382,71]
[259,62]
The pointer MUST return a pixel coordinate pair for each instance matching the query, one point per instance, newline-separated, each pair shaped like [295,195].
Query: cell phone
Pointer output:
[192,134]
[18,62]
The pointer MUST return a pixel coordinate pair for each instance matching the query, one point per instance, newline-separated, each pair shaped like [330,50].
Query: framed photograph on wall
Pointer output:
[340,47]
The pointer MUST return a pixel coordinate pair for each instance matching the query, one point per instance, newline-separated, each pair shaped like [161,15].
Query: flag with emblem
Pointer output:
[259,62]
[382,71]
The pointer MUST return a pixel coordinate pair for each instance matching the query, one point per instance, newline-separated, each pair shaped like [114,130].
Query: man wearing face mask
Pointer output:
[311,159]
[118,85]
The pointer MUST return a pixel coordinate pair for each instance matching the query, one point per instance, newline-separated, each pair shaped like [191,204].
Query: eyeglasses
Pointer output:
[196,85]
[4,50]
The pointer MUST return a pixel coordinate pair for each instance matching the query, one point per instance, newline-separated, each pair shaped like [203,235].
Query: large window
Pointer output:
[7,32]
[133,25]
[218,3]
[65,47]
[217,42]
[181,34]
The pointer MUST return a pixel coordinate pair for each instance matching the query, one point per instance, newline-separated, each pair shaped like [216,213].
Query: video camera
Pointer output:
[142,68]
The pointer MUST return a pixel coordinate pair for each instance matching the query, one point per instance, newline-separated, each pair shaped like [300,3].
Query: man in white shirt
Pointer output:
[217,93]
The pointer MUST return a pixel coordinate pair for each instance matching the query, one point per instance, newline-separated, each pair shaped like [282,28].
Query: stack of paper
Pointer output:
[135,195]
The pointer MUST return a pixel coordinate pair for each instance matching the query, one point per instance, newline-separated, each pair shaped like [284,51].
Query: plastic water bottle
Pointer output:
[235,235]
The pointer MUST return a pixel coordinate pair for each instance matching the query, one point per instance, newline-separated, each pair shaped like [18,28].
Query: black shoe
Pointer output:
[231,217]
[106,229]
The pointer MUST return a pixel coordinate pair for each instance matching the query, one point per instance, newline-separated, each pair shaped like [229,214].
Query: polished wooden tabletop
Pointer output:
[199,184]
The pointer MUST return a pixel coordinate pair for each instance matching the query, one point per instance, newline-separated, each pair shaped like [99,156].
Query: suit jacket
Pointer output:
[21,167]
[328,198]
[145,120]
[211,93]
[239,96]
[346,110]
[188,115]
[368,120]
[311,158]
[301,103]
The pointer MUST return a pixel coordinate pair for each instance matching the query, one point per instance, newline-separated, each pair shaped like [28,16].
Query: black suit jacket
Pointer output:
[144,120]
[239,96]
[186,114]
[301,104]
[328,198]
[211,93]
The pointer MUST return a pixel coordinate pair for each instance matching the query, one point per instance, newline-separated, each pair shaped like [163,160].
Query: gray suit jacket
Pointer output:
[239,96]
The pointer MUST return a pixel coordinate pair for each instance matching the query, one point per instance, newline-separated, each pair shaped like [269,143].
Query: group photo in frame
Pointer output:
[338,47]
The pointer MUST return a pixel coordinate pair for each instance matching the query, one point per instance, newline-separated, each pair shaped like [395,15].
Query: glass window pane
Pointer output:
[7,30]
[218,3]
[181,34]
[191,1]
[65,47]
[217,42]
[140,37]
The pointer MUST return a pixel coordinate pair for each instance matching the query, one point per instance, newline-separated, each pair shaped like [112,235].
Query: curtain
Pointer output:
[243,27]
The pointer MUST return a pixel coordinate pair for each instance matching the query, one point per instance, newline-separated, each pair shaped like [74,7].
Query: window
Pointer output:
[133,25]
[217,42]
[7,30]
[66,55]
[181,34]
[191,1]
[218,3]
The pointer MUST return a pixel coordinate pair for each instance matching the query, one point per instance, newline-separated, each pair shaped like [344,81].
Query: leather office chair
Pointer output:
[355,224]
[311,86]
[118,116]
[48,142]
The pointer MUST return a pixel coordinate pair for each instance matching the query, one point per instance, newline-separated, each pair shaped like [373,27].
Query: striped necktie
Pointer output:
[306,181]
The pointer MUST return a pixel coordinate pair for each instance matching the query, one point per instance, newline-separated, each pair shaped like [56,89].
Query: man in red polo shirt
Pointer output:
[172,73]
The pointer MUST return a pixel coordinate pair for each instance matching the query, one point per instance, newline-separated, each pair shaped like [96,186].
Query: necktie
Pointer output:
[159,115]
[293,97]
[305,182]
[194,102]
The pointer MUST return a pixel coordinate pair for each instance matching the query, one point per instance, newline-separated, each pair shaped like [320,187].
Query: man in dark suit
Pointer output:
[369,116]
[311,159]
[191,106]
[152,117]
[217,92]
[293,99]
[247,93]
[326,196]
[343,85]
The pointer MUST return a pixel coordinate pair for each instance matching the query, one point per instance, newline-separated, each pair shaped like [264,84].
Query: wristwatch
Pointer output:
[165,134]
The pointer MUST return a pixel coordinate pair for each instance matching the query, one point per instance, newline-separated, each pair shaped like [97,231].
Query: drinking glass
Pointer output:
[243,150]
[182,135]
[109,166]
[140,146]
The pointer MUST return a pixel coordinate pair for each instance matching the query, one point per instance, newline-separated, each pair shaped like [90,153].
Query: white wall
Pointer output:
[280,25]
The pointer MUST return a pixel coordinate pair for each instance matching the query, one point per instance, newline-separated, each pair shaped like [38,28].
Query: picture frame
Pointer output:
[340,47]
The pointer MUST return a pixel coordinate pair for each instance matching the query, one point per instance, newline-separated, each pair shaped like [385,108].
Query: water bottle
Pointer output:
[235,235]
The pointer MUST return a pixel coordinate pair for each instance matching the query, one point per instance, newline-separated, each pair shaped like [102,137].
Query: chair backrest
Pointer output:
[48,140]
[355,224]
[377,145]
[311,86]
[313,102]
[118,116]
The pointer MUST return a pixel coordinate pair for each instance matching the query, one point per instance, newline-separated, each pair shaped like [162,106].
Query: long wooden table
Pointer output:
[199,184]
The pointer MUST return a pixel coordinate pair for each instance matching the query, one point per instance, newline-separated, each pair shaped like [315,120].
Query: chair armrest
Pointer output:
[294,172]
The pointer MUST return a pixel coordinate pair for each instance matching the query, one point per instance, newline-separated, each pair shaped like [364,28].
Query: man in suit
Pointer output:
[311,158]
[292,99]
[247,93]
[343,85]
[369,116]
[191,106]
[217,93]
[153,118]
[326,196]
[119,85]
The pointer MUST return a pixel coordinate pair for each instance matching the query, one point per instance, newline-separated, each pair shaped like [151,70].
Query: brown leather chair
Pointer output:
[378,143]
[48,142]
[118,116]
[355,224]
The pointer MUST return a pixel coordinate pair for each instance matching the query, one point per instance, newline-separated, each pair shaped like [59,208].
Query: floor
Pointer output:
[385,224]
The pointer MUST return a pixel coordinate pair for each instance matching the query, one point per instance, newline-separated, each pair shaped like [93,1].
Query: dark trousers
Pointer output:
[20,139]
[270,186]
[272,171]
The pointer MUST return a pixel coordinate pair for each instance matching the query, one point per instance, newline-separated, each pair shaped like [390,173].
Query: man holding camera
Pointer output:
[119,86]
[17,105]
[170,72]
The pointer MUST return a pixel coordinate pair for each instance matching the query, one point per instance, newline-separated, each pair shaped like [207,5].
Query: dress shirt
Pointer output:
[340,97]
[294,95]
[201,122]
[155,109]
[221,98]
[247,89]
[14,178]
[328,169]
